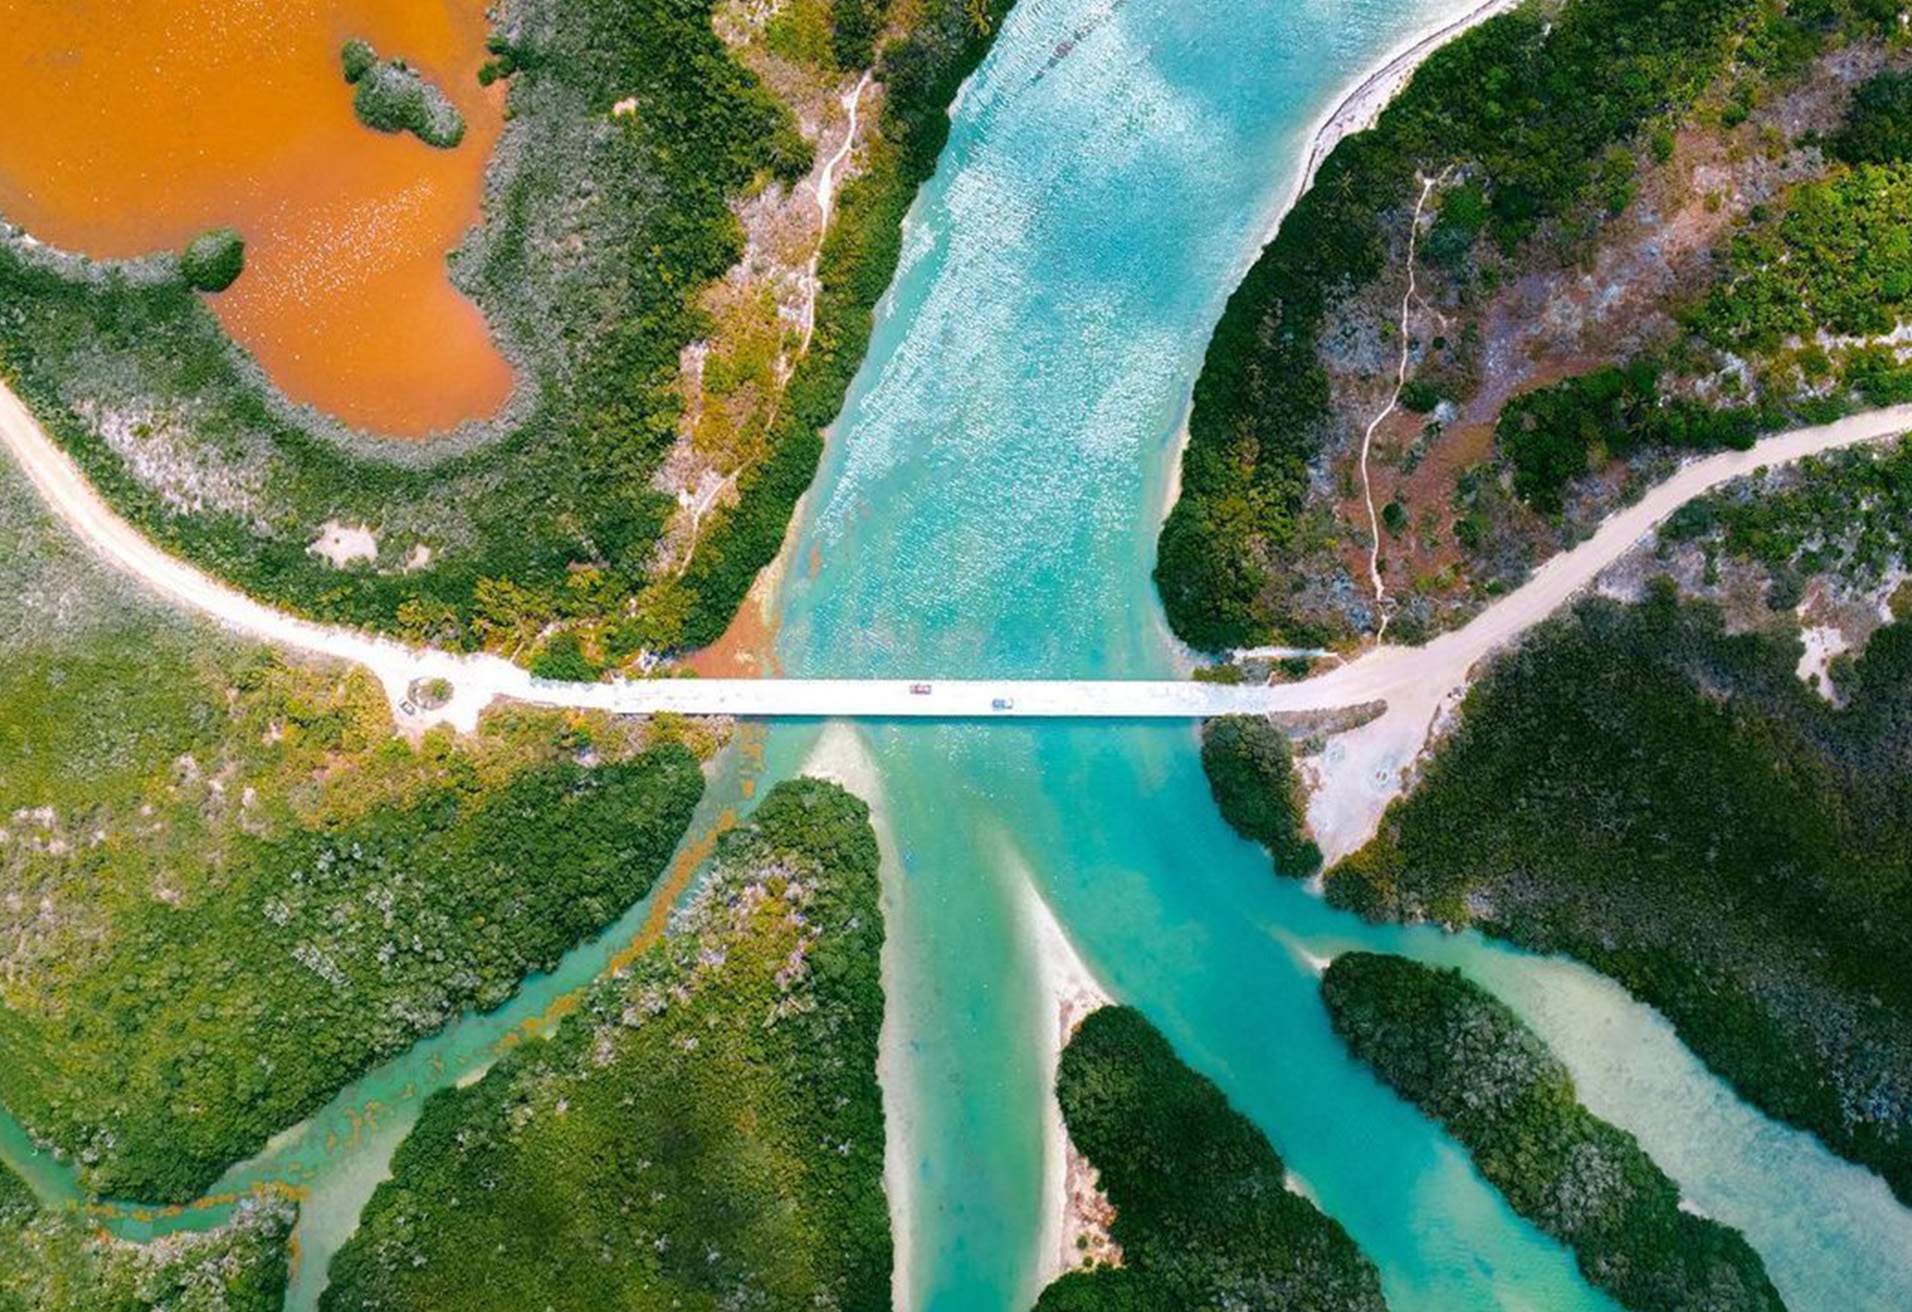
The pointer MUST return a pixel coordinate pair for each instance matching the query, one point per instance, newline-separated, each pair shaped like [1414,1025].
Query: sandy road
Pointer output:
[1414,681]
[1362,770]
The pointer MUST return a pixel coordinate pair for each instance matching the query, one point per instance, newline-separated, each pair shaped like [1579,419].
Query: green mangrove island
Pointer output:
[1204,1215]
[394,97]
[213,261]
[704,1132]
[1453,1050]
[1251,772]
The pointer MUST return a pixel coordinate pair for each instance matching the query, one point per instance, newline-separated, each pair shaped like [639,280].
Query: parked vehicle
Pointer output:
[1003,704]
[919,689]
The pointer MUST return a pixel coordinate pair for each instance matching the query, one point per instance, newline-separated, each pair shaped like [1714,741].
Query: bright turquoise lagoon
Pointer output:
[989,504]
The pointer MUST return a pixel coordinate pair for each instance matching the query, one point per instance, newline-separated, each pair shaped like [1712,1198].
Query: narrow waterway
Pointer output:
[988,505]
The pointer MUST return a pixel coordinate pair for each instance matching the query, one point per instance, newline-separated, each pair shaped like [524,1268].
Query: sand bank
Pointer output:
[1073,1207]
[1361,105]
[841,756]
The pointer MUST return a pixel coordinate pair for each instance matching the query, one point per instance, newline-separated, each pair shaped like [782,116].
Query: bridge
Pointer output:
[1412,681]
[1409,689]
[889,699]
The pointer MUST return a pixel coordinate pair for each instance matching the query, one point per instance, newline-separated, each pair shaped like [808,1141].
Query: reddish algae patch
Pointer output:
[131,126]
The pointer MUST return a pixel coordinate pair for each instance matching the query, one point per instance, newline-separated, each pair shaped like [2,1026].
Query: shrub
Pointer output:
[1876,373]
[1252,776]
[801,32]
[563,659]
[1878,126]
[1419,395]
[357,58]
[214,260]
[1224,672]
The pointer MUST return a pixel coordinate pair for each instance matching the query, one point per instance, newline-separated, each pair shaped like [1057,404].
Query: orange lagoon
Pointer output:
[128,126]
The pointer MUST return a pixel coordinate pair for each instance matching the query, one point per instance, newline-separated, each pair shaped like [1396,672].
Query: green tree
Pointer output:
[1251,772]
[214,260]
[1878,126]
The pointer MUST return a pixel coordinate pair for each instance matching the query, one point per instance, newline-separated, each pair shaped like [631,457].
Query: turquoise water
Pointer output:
[989,504]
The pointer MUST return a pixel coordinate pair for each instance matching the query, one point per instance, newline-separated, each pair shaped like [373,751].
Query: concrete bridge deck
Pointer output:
[921,699]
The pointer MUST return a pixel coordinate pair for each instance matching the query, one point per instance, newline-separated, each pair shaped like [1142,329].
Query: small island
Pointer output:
[1461,1056]
[1251,771]
[1204,1216]
[213,260]
[394,97]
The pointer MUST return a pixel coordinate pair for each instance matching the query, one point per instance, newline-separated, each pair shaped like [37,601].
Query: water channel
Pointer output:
[988,506]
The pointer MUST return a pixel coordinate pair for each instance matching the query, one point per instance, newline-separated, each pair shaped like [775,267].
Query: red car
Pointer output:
[919,689]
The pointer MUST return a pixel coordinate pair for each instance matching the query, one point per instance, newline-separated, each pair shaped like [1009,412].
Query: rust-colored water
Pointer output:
[131,125]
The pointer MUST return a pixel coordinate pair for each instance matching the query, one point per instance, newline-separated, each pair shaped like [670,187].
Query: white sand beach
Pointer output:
[841,756]
[1072,1205]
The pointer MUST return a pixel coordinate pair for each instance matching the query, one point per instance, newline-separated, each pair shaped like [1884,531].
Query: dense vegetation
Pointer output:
[394,97]
[1251,772]
[1847,515]
[1203,1213]
[228,888]
[213,261]
[855,24]
[599,232]
[61,1262]
[1878,127]
[1839,258]
[1458,1054]
[704,1132]
[1670,804]
[1554,435]
[1834,255]
[1529,105]
[921,73]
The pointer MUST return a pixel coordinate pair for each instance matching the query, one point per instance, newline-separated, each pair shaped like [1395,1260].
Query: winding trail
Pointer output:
[1394,402]
[826,188]
[852,101]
